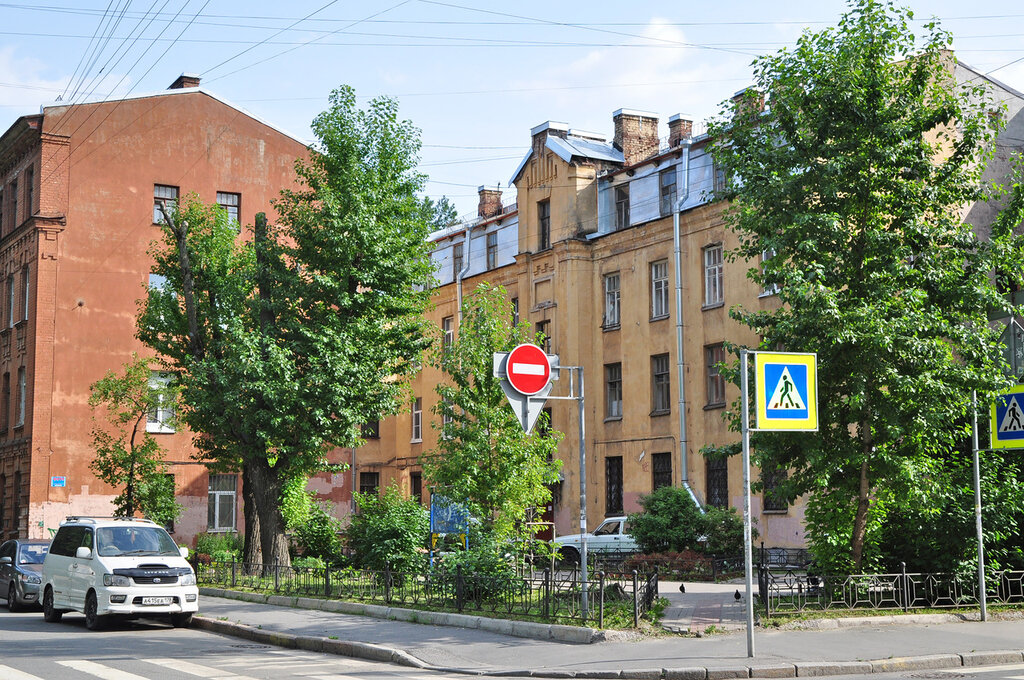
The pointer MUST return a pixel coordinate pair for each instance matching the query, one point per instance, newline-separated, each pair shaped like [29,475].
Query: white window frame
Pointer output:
[417,419]
[232,204]
[613,391]
[714,269]
[25,287]
[771,289]
[163,194]
[214,497]
[659,289]
[159,420]
[612,300]
[447,331]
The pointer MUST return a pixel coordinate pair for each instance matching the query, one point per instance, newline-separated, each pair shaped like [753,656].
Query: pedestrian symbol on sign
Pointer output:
[1007,419]
[1011,419]
[786,395]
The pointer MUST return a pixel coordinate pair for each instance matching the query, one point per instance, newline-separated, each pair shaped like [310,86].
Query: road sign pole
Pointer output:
[583,499]
[977,508]
[748,557]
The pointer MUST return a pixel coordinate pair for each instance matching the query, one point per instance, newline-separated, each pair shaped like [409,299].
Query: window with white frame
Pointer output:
[447,332]
[611,300]
[232,204]
[25,286]
[659,289]
[19,419]
[220,503]
[621,206]
[713,356]
[160,419]
[667,182]
[613,390]
[417,420]
[492,250]
[164,197]
[768,288]
[713,275]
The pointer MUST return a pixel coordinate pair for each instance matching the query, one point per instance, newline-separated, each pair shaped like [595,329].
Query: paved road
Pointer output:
[1008,672]
[31,649]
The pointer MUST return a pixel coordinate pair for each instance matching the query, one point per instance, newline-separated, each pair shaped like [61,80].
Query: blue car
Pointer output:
[21,565]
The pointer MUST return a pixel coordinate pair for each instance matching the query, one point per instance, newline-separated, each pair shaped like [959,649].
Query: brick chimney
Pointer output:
[541,132]
[490,202]
[680,127]
[748,99]
[636,134]
[185,80]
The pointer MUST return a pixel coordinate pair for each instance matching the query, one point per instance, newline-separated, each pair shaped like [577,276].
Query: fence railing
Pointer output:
[790,590]
[552,596]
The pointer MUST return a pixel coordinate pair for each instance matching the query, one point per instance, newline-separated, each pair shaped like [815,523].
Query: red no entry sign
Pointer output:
[528,369]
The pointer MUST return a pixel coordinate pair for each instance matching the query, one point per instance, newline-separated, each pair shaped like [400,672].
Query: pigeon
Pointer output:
[682,587]
[737,595]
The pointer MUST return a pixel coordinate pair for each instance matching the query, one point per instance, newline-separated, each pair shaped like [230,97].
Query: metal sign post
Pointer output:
[982,596]
[748,551]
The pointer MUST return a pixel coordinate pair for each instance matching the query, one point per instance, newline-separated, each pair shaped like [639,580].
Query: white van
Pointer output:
[104,566]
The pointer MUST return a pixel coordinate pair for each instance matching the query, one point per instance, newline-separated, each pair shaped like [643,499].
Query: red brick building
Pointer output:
[78,188]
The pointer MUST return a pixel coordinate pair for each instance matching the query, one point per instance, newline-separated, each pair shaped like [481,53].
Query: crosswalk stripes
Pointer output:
[100,671]
[8,673]
[190,668]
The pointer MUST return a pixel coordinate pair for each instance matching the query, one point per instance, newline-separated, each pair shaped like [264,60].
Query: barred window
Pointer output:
[773,500]
[661,469]
[717,474]
[613,485]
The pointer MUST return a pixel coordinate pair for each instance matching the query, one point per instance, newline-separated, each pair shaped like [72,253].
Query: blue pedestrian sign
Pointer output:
[786,385]
[1007,419]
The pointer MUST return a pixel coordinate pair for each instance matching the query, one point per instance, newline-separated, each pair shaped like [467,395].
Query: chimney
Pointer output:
[490,202]
[748,100]
[680,127]
[185,80]
[541,133]
[636,134]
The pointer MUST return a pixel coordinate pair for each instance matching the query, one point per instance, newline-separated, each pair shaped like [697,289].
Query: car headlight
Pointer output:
[30,578]
[116,580]
[188,579]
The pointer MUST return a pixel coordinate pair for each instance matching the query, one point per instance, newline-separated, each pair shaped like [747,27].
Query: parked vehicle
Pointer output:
[21,562]
[611,536]
[117,566]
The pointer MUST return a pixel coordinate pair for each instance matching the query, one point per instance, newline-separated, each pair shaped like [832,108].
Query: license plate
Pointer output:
[157,600]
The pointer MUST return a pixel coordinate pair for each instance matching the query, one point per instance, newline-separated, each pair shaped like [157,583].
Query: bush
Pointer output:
[388,529]
[308,563]
[484,557]
[671,523]
[317,536]
[222,547]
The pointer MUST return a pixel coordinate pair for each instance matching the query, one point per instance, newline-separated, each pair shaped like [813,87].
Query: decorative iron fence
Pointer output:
[791,590]
[544,595]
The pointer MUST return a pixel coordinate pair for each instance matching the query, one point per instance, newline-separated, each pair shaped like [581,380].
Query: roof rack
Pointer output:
[92,519]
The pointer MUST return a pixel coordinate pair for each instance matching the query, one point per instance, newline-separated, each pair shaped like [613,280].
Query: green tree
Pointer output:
[854,180]
[287,342]
[389,529]
[483,457]
[127,456]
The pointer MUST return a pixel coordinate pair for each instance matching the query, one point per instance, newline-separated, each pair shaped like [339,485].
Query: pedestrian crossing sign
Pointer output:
[1007,419]
[786,385]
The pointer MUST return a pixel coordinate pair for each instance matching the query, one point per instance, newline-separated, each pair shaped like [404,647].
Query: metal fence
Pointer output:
[790,590]
[551,596]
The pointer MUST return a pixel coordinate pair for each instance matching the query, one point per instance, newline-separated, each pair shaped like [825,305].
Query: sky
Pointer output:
[474,77]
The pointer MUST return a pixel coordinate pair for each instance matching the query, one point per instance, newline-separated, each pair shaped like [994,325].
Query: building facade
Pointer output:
[80,187]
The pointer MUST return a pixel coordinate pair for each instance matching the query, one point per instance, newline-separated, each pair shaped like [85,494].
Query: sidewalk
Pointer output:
[858,650]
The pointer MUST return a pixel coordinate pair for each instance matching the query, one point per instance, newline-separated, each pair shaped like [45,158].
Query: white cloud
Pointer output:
[22,86]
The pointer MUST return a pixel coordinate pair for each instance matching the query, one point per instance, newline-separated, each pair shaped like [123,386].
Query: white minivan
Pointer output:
[104,566]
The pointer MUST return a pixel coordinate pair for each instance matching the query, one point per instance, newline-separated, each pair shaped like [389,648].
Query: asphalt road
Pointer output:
[31,649]
[1008,672]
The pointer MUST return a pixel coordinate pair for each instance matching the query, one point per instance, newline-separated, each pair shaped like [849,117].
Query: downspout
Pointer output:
[464,270]
[680,364]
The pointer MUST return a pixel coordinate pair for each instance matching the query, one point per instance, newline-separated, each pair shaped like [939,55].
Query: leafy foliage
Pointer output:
[855,179]
[483,457]
[671,523]
[219,546]
[388,529]
[127,456]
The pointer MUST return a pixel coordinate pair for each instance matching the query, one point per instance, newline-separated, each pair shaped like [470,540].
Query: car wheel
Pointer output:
[181,620]
[50,615]
[570,555]
[93,620]
[12,599]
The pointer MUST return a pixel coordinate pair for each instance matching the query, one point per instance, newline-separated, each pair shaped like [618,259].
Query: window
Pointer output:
[515,311]
[370,430]
[611,300]
[492,250]
[5,417]
[2,225]
[714,355]
[10,300]
[717,478]
[232,204]
[667,180]
[160,419]
[24,293]
[661,470]
[621,206]
[719,181]
[416,486]
[768,288]
[613,485]
[543,225]
[456,261]
[447,331]
[19,419]
[13,193]
[29,189]
[417,420]
[660,385]
[164,198]
[613,390]
[220,503]
[369,482]
[713,294]
[774,501]
[447,412]
[544,330]
[659,289]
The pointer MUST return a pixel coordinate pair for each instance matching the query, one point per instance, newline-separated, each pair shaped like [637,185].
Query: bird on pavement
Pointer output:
[682,587]
[737,595]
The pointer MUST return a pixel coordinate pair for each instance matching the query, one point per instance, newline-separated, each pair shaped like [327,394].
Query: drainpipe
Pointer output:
[464,270]
[680,364]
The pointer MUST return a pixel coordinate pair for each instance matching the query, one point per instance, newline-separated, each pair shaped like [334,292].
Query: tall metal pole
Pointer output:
[583,499]
[977,509]
[748,557]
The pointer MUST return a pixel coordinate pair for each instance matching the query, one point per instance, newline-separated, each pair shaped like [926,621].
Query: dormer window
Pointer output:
[621,207]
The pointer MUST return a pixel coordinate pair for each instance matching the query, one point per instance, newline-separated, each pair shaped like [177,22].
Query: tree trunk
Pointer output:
[266,491]
[860,519]
[252,548]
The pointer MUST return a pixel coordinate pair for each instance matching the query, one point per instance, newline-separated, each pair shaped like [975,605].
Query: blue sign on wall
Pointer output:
[58,481]
[447,516]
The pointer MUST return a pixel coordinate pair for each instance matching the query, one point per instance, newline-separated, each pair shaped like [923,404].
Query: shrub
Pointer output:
[671,523]
[222,547]
[317,536]
[388,528]
[308,563]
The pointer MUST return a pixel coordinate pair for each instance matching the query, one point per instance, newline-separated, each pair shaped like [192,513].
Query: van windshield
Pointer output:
[115,541]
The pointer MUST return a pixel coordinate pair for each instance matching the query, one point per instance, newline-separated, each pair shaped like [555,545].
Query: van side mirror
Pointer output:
[184,551]
[83,553]
[5,560]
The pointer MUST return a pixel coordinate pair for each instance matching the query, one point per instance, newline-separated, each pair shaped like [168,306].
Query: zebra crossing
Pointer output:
[278,665]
